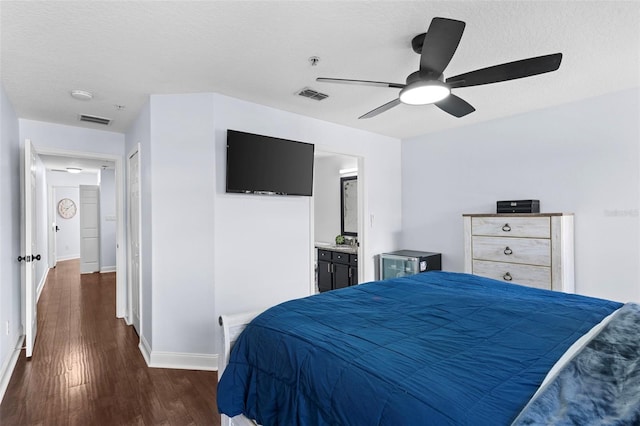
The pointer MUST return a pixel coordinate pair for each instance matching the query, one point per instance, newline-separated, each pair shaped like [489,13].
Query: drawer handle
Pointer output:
[508,251]
[507,277]
[506,227]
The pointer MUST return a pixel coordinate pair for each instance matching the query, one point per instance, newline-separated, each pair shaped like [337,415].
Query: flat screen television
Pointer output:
[266,165]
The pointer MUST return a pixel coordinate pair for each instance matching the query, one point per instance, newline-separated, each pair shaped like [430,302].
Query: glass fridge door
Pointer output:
[395,266]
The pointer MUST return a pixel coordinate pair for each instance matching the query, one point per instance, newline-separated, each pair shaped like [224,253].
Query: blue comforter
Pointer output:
[434,348]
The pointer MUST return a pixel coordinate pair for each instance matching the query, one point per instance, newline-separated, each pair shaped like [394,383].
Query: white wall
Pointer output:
[182,196]
[68,235]
[107,220]
[9,239]
[580,158]
[215,252]
[66,185]
[264,244]
[72,180]
[79,139]
[140,135]
[326,194]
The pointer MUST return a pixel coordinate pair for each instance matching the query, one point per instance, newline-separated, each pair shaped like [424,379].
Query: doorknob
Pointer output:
[57,228]
[29,258]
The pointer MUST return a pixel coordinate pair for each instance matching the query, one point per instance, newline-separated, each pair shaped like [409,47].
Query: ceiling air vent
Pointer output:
[312,94]
[95,119]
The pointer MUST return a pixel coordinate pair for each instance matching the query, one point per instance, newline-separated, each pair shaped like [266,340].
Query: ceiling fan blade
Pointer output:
[455,106]
[361,82]
[508,71]
[381,109]
[440,43]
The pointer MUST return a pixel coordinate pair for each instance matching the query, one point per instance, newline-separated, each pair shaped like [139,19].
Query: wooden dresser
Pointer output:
[534,249]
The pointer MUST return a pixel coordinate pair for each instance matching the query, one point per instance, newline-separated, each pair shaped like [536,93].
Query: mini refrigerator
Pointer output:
[408,262]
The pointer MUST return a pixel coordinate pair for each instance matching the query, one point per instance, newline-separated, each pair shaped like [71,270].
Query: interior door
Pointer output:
[53,228]
[134,238]
[89,229]
[29,257]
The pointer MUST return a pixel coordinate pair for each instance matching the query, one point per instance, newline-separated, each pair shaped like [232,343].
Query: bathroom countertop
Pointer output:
[344,248]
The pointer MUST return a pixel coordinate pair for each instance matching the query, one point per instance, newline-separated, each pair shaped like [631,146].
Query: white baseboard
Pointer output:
[184,361]
[67,257]
[7,368]
[181,361]
[145,350]
[41,284]
[105,269]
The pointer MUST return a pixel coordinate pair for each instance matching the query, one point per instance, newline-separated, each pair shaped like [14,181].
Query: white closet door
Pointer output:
[89,229]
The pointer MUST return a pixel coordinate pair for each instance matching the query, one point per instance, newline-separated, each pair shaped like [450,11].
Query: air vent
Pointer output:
[312,94]
[95,119]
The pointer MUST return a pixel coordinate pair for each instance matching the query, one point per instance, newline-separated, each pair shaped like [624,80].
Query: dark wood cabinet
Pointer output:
[325,277]
[340,275]
[336,269]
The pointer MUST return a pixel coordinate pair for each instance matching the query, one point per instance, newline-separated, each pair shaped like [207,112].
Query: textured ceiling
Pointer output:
[258,51]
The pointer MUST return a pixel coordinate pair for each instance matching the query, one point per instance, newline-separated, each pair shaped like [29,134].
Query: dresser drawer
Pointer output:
[532,251]
[531,276]
[510,226]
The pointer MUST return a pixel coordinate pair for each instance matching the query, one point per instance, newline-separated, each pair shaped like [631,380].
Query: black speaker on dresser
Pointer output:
[518,206]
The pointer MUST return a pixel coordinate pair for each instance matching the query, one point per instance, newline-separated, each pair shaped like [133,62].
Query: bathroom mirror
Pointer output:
[349,206]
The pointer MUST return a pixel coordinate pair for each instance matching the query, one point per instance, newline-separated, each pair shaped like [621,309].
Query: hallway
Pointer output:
[87,369]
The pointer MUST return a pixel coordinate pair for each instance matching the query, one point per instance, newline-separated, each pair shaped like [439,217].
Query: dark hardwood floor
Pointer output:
[87,369]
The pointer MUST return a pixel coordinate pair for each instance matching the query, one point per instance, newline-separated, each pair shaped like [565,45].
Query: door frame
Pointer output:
[135,150]
[51,224]
[121,265]
[362,208]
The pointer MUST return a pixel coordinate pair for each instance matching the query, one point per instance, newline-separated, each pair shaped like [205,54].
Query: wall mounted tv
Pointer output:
[265,165]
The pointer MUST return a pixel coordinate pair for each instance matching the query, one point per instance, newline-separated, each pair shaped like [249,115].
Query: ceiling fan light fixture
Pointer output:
[424,92]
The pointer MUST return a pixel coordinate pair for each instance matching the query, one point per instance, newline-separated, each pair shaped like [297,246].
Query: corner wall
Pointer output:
[580,158]
[10,312]
[206,252]
[139,136]
[264,244]
[182,205]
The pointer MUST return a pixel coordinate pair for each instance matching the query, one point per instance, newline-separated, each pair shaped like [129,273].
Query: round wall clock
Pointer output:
[66,208]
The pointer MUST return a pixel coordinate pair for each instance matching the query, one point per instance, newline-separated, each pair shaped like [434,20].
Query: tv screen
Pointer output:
[266,165]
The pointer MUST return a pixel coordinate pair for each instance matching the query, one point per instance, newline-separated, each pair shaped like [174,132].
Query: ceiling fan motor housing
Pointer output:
[424,76]
[417,42]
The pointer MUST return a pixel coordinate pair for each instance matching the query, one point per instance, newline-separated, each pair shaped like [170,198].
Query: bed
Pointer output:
[433,348]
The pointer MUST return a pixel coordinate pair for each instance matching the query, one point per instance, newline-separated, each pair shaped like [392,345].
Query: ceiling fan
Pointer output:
[428,85]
